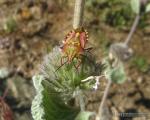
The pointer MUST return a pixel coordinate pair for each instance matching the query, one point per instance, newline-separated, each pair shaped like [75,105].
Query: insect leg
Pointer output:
[78,64]
[62,62]
[88,50]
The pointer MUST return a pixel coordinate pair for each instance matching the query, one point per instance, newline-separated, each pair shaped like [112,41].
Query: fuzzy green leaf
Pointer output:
[55,108]
[115,74]
[84,115]
[59,85]
[135,5]
[118,75]
[36,108]
[48,105]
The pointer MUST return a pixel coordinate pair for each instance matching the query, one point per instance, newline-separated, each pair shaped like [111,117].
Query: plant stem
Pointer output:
[80,98]
[100,110]
[133,28]
[78,13]
[5,93]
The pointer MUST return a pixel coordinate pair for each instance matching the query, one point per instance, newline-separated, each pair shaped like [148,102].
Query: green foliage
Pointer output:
[105,3]
[67,78]
[10,25]
[119,17]
[84,115]
[135,5]
[113,12]
[54,106]
[48,105]
[141,63]
[118,75]
[117,13]
[56,87]
[115,74]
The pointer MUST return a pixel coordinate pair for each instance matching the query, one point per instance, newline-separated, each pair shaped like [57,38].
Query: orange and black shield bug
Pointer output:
[74,45]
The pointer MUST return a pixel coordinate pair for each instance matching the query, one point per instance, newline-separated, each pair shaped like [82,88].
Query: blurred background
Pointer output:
[29,29]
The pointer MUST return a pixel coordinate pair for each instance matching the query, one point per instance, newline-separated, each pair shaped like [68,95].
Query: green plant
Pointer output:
[141,63]
[113,12]
[63,85]
[10,25]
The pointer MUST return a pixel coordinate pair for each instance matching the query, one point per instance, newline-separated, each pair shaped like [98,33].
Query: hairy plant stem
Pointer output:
[81,100]
[77,22]
[100,110]
[132,30]
[78,13]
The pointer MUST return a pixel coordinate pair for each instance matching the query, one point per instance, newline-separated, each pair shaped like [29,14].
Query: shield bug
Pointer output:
[74,46]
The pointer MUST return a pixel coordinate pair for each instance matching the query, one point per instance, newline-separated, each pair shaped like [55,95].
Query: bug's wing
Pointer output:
[82,39]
